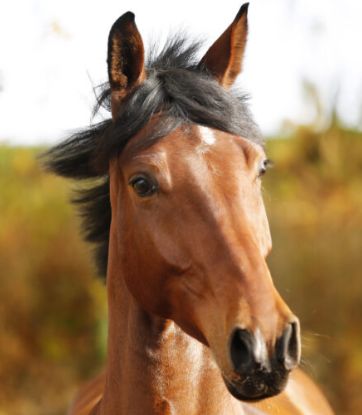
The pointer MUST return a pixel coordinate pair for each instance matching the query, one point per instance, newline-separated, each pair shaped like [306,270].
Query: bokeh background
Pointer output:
[303,70]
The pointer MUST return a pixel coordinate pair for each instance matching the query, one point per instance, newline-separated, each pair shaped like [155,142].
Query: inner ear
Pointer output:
[125,59]
[225,57]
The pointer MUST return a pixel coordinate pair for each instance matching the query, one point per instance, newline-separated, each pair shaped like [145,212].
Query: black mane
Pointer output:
[177,89]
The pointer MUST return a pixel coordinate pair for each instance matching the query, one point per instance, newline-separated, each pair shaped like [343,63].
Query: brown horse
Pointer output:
[196,325]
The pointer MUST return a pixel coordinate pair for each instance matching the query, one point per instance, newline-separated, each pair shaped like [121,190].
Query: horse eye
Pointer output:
[143,186]
[263,167]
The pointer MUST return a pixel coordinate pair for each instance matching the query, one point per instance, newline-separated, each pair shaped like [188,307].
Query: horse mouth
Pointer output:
[252,390]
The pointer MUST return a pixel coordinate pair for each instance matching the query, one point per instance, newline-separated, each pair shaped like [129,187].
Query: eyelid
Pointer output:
[139,175]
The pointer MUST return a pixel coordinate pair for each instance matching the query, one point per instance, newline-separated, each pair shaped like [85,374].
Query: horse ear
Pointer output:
[224,58]
[125,59]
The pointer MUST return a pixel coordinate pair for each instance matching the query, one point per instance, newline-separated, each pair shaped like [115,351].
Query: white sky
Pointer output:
[51,52]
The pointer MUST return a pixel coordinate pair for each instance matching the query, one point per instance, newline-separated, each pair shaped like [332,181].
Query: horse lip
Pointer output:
[235,391]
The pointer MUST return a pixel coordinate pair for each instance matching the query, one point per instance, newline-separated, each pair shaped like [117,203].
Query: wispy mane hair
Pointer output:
[180,92]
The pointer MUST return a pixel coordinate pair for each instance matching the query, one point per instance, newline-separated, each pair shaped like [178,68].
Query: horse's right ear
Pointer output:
[125,59]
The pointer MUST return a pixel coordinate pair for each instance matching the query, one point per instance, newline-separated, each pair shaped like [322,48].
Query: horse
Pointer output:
[173,204]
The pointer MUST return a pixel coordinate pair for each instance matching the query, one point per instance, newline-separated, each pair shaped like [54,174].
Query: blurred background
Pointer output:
[303,70]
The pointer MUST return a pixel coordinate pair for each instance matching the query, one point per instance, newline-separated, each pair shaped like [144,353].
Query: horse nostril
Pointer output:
[288,346]
[241,350]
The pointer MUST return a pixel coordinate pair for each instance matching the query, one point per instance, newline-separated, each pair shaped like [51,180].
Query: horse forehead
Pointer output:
[207,139]
[197,142]
[207,135]
[198,148]
[223,147]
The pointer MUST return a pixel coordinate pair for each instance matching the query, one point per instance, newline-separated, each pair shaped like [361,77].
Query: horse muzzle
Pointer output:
[257,374]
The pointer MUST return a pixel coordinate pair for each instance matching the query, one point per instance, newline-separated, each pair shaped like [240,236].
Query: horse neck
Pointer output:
[153,366]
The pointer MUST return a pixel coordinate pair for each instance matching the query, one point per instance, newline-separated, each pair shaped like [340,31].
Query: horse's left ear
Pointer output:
[125,59]
[225,57]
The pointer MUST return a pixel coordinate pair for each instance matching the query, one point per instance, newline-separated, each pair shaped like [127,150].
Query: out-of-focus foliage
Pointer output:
[314,201]
[52,309]
[52,312]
